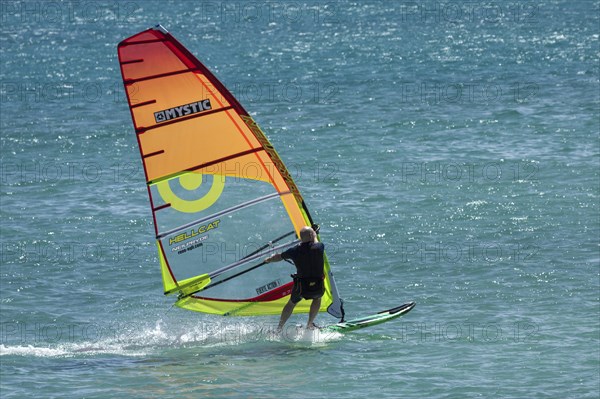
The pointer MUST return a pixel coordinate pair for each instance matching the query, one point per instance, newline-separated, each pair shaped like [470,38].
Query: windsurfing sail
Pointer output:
[221,197]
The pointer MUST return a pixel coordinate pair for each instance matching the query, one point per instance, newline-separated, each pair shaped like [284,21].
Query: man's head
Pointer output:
[307,234]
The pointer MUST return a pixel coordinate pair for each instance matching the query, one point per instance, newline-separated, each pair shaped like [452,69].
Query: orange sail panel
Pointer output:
[221,197]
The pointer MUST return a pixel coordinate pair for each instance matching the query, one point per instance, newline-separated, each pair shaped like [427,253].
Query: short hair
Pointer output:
[307,234]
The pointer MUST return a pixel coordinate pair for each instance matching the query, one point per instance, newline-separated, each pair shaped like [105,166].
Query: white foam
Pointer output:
[30,350]
[143,341]
[301,335]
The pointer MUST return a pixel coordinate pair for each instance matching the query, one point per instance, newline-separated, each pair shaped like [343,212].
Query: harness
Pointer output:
[309,287]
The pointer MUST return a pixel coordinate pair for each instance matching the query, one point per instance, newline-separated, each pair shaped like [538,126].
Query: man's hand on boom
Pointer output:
[273,258]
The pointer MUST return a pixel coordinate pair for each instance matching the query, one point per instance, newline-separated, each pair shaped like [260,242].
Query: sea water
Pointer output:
[449,151]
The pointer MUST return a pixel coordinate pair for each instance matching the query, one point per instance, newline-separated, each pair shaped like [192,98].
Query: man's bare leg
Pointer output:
[286,313]
[314,310]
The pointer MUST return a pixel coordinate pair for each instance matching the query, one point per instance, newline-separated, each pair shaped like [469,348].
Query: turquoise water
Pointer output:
[449,151]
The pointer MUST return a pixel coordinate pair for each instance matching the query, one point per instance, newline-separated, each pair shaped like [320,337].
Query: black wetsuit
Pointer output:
[308,258]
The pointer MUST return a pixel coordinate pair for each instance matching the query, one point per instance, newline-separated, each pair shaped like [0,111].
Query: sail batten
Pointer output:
[161,75]
[205,165]
[221,197]
[219,214]
[143,130]
[219,272]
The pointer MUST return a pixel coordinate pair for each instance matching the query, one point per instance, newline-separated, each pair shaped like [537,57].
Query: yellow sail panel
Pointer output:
[221,198]
[299,219]
[168,280]
[244,308]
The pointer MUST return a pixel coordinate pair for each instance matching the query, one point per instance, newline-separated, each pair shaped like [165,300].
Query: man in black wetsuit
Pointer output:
[308,282]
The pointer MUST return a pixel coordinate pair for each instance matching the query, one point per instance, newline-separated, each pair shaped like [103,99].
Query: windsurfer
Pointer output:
[308,282]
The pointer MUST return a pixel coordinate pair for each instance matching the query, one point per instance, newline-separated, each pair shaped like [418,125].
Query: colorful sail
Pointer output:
[221,197]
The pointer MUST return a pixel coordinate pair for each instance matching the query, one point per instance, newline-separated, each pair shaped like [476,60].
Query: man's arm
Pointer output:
[273,258]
